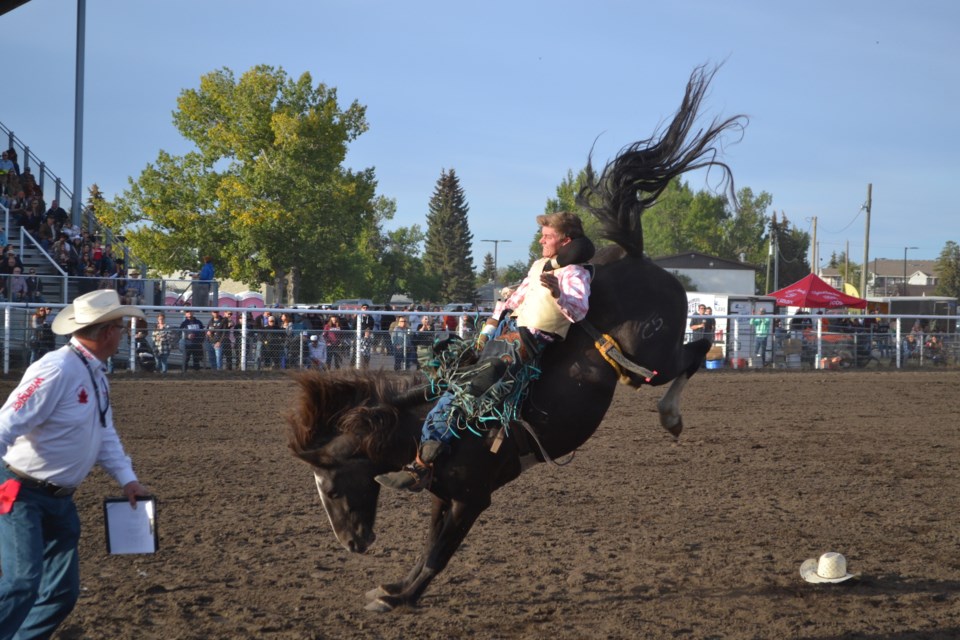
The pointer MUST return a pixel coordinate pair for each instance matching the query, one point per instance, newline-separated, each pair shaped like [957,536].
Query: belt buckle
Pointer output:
[62,492]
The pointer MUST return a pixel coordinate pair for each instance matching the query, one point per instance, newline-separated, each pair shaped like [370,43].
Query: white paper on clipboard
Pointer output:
[131,530]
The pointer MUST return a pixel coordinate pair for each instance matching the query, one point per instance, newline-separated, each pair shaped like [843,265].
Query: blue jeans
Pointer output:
[40,563]
[162,362]
[211,355]
[436,427]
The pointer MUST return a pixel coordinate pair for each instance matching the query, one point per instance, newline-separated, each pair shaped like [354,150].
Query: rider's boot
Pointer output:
[417,475]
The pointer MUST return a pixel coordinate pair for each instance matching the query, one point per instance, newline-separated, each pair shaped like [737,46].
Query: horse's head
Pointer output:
[345,428]
[344,479]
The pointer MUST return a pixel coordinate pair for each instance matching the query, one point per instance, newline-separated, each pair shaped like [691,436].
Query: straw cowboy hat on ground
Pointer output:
[95,307]
[831,567]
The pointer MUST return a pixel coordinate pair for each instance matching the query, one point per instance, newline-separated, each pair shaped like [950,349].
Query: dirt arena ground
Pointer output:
[639,537]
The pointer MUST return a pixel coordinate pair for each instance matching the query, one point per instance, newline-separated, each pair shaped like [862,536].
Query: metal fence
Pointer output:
[248,345]
[835,342]
[308,341]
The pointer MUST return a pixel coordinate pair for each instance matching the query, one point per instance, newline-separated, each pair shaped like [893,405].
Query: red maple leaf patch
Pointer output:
[82,396]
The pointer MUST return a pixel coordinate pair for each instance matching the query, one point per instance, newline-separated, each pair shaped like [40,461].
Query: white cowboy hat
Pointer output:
[832,567]
[95,307]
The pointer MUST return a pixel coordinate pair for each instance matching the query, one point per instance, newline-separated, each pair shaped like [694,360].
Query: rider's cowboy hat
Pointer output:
[831,567]
[91,308]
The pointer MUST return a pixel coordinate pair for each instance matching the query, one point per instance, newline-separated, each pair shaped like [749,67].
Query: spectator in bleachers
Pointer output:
[6,164]
[17,286]
[89,280]
[12,157]
[34,217]
[71,231]
[108,262]
[3,237]
[12,261]
[57,212]
[18,207]
[34,286]
[47,233]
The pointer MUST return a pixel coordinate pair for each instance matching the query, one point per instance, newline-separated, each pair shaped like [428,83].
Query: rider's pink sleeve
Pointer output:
[574,297]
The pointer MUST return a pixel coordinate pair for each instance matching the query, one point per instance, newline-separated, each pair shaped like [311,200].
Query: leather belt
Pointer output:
[53,489]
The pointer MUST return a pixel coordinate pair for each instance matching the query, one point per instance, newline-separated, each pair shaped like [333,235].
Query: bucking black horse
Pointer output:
[352,426]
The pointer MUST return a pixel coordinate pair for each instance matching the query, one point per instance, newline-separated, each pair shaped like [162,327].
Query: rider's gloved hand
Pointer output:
[484,336]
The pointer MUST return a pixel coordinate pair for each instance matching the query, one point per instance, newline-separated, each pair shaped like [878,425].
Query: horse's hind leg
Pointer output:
[669,406]
[692,354]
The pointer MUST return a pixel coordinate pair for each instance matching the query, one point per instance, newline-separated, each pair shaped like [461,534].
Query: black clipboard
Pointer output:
[131,530]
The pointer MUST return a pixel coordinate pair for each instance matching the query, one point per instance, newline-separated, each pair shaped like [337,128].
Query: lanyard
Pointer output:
[96,389]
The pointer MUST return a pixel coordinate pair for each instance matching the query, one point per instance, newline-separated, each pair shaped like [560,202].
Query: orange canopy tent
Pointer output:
[813,293]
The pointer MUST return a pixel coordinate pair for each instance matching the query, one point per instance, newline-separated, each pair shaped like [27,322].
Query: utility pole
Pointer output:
[813,261]
[776,256]
[866,243]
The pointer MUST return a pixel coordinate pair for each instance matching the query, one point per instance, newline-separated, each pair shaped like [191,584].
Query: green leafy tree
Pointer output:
[566,200]
[514,272]
[682,220]
[449,244]
[745,234]
[264,192]
[849,270]
[948,270]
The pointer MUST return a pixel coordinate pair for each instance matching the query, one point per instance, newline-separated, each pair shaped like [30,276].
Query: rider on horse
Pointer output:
[554,295]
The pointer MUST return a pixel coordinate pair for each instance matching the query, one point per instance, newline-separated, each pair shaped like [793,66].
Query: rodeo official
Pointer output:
[54,427]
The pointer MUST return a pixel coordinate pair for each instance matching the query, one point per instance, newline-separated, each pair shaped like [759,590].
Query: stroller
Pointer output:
[146,358]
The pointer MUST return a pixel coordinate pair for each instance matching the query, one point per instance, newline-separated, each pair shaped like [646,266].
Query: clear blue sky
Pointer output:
[513,94]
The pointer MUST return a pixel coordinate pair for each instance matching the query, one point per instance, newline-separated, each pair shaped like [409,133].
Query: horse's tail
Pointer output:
[631,183]
[342,403]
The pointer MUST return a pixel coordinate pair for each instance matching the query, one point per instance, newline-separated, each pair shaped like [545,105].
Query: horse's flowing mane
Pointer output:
[345,402]
[631,183]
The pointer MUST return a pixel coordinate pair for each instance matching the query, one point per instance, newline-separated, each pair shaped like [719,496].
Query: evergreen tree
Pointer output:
[449,246]
[489,272]
[792,246]
[948,270]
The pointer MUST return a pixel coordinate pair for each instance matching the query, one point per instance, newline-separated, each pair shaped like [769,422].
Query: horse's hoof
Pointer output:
[378,606]
[676,429]
[373,594]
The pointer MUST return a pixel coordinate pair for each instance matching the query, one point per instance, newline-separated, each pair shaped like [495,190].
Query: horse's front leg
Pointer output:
[449,525]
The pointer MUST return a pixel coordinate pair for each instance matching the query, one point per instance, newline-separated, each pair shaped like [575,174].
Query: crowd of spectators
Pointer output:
[80,254]
[281,340]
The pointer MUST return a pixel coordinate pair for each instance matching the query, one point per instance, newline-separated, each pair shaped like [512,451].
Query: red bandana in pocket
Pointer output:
[8,495]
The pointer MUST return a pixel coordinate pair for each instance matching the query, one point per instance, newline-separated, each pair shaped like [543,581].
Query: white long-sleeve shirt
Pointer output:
[51,426]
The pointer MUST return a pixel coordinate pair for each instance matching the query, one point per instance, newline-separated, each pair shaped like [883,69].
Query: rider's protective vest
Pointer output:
[539,309]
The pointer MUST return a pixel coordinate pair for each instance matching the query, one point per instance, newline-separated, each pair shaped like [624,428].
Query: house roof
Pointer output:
[892,268]
[695,260]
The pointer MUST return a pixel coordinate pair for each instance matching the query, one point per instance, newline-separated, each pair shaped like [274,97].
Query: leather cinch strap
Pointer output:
[612,353]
